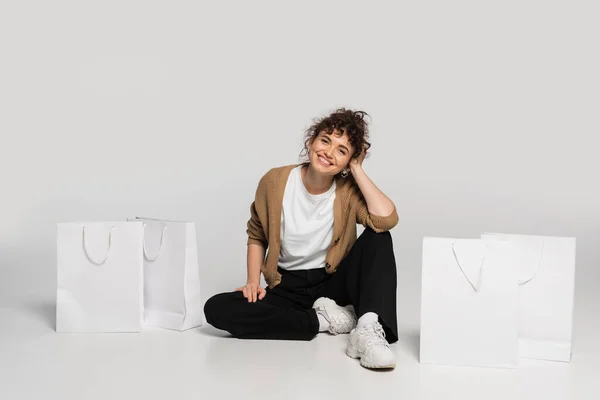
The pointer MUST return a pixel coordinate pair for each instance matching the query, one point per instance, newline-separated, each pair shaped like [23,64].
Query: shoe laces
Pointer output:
[374,336]
[343,323]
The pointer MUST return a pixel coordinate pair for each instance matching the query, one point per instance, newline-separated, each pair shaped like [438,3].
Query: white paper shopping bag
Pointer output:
[468,303]
[99,277]
[546,294]
[171,275]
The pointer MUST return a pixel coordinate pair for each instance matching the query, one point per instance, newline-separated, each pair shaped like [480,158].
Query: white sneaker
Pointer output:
[369,344]
[341,319]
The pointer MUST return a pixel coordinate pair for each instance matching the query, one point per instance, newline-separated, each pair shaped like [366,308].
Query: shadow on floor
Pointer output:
[410,340]
[44,311]
[209,330]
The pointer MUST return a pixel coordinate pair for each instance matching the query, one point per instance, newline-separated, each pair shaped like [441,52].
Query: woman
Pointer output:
[320,277]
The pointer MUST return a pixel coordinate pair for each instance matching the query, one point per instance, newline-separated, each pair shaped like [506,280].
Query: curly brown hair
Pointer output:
[346,121]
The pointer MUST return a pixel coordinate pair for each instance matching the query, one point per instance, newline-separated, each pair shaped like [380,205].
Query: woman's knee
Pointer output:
[218,306]
[384,238]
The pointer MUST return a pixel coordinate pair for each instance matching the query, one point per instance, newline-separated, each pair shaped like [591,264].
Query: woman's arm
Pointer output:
[378,203]
[256,257]
[252,290]
[257,245]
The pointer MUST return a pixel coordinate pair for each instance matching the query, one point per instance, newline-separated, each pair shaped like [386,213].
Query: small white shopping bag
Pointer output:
[546,273]
[468,303]
[171,275]
[99,277]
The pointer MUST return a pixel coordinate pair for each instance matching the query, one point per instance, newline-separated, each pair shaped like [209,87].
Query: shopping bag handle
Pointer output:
[87,253]
[160,249]
[477,286]
[538,266]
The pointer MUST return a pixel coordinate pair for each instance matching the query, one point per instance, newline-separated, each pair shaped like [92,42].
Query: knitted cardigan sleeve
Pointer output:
[258,215]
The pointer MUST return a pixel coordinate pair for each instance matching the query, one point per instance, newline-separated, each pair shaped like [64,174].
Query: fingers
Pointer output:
[262,294]
[252,292]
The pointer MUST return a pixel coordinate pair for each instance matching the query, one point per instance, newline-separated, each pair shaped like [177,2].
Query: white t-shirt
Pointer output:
[306,225]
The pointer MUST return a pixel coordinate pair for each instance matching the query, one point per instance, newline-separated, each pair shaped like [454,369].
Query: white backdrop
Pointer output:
[485,118]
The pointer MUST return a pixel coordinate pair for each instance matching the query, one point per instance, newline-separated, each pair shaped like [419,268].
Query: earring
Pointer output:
[344,173]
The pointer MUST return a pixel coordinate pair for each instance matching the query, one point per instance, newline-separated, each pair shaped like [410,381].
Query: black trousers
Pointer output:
[366,278]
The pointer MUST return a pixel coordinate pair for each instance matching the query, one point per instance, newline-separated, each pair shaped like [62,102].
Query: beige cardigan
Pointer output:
[349,209]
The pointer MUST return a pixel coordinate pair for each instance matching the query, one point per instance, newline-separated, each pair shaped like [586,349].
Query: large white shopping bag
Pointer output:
[99,277]
[468,303]
[171,275]
[546,294]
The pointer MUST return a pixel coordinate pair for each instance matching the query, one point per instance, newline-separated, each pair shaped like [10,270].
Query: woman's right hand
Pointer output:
[252,291]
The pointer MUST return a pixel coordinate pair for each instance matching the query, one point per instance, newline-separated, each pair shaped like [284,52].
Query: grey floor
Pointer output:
[36,362]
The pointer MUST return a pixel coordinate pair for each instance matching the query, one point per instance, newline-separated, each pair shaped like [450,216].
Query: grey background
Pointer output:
[484,118]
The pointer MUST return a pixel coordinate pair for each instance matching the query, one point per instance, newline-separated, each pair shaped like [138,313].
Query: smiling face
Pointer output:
[329,154]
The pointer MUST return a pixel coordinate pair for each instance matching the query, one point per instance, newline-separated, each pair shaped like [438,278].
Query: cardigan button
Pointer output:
[327,265]
[337,240]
